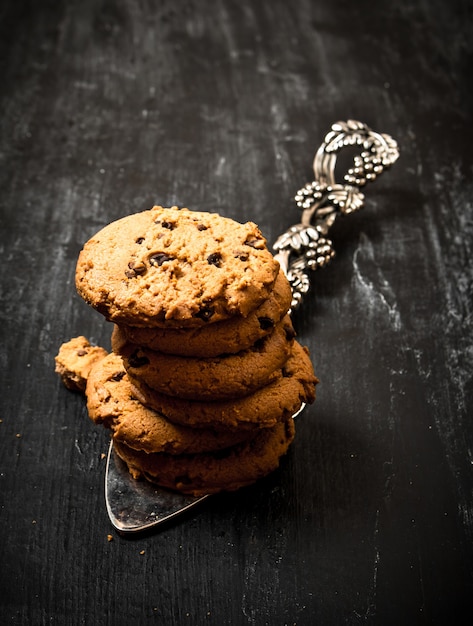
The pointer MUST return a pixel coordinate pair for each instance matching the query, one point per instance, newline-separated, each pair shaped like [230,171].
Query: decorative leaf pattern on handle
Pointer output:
[305,246]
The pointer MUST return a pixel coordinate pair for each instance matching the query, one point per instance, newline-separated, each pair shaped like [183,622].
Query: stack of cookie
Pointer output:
[205,372]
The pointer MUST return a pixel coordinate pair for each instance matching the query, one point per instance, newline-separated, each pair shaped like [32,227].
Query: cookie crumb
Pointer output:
[103,456]
[142,552]
[109,538]
[18,435]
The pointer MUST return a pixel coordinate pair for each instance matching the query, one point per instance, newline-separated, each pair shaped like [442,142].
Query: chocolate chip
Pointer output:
[117,376]
[102,308]
[81,352]
[137,267]
[265,323]
[168,225]
[205,313]
[202,227]
[215,259]
[222,454]
[256,243]
[243,256]
[136,360]
[159,258]
[259,344]
[289,332]
[139,240]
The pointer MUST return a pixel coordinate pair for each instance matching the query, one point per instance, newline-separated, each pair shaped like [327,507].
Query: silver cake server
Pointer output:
[138,505]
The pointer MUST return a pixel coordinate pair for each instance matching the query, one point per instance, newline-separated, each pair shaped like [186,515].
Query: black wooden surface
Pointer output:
[109,106]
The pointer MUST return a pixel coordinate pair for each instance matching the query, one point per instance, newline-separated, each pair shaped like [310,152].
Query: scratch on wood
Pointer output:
[376,288]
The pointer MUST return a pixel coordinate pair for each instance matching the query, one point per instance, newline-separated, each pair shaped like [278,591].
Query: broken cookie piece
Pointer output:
[74,361]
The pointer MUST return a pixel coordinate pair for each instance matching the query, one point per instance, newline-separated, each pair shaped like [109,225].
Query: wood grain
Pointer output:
[109,106]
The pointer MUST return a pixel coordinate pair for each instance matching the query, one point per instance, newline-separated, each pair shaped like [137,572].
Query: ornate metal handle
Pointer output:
[305,246]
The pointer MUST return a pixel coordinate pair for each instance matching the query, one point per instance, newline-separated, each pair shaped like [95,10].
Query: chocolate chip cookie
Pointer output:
[206,373]
[75,360]
[210,340]
[212,472]
[211,379]
[110,402]
[170,266]
[295,384]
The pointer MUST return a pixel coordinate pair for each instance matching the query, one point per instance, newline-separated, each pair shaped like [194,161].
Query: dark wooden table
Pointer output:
[110,106]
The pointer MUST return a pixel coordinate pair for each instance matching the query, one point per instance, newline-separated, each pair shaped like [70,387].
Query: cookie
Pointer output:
[208,473]
[211,379]
[170,266]
[75,360]
[264,408]
[225,337]
[110,402]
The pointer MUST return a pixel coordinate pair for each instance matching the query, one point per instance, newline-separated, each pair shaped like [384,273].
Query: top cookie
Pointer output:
[225,337]
[175,267]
